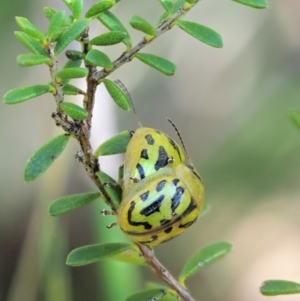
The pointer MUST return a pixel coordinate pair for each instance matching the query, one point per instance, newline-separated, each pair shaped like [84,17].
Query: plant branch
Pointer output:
[164,274]
[127,56]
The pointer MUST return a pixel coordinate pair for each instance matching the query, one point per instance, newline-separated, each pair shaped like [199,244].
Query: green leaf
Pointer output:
[295,117]
[49,12]
[115,145]
[157,62]
[77,8]
[114,24]
[31,44]
[56,22]
[131,255]
[175,7]
[203,258]
[99,8]
[139,23]
[44,157]
[70,64]
[98,58]
[24,93]
[30,29]
[74,111]
[254,3]
[69,4]
[111,187]
[169,294]
[26,60]
[71,202]
[279,287]
[148,295]
[118,95]
[72,73]
[167,5]
[93,253]
[109,38]
[72,90]
[70,34]
[74,55]
[201,33]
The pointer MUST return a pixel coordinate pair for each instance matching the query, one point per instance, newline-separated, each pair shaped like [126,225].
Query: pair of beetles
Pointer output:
[162,192]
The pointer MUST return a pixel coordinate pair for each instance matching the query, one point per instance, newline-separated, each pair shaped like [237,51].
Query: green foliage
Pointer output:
[139,23]
[28,59]
[75,7]
[74,111]
[71,202]
[109,38]
[254,3]
[93,253]
[118,95]
[203,258]
[70,34]
[72,73]
[44,157]
[30,29]
[279,287]
[24,93]
[157,62]
[114,24]
[111,187]
[98,58]
[201,33]
[99,8]
[71,90]
[30,43]
[55,24]
[115,145]
[167,5]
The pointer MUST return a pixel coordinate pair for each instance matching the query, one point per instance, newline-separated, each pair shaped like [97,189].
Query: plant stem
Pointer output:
[163,273]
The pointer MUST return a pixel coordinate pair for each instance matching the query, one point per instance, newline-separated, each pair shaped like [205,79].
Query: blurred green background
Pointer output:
[231,108]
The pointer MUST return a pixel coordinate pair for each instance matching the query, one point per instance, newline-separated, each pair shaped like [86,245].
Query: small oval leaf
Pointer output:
[31,44]
[77,7]
[98,58]
[72,73]
[29,59]
[167,5]
[93,253]
[44,157]
[24,93]
[201,33]
[132,255]
[203,258]
[72,90]
[111,187]
[70,64]
[254,3]
[71,202]
[118,95]
[70,34]
[114,24]
[279,287]
[57,20]
[99,8]
[115,145]
[109,38]
[74,55]
[74,111]
[139,23]
[157,63]
[30,29]
[148,295]
[49,12]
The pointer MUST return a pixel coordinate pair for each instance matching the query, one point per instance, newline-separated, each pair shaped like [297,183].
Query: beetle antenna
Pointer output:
[180,138]
[124,89]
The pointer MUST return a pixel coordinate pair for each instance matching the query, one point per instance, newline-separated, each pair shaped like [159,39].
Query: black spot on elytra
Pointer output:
[168,230]
[175,181]
[187,225]
[175,201]
[164,221]
[154,237]
[146,225]
[194,172]
[145,195]
[144,154]
[140,170]
[160,185]
[149,139]
[153,207]
[162,160]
